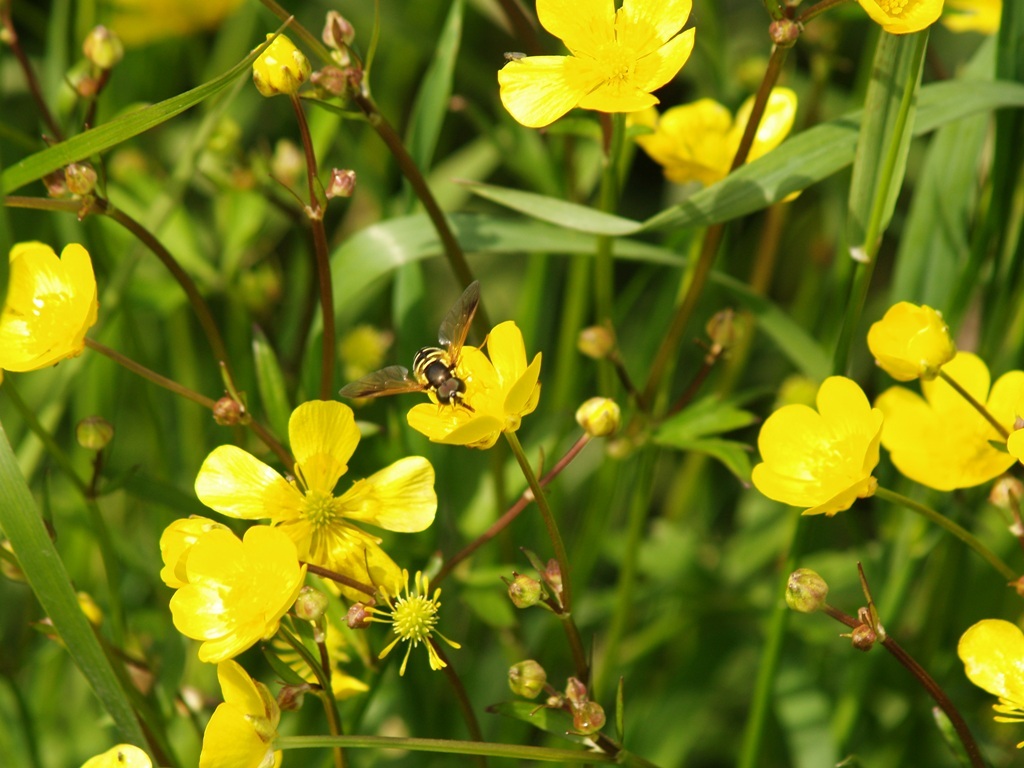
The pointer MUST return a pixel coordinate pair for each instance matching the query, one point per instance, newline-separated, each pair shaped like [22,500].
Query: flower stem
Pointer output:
[929,684]
[613,132]
[975,403]
[944,522]
[461,696]
[452,747]
[513,512]
[30,75]
[340,578]
[817,9]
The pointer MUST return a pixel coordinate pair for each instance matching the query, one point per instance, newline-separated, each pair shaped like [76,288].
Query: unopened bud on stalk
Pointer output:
[103,47]
[311,604]
[523,591]
[599,416]
[588,718]
[342,183]
[291,697]
[576,692]
[784,32]
[721,329]
[94,433]
[596,342]
[332,79]
[527,678]
[281,68]
[806,591]
[228,412]
[80,178]
[863,637]
[338,31]
[358,616]
[552,576]
[1006,492]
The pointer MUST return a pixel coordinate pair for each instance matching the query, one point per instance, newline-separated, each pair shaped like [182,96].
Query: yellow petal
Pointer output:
[645,25]
[175,544]
[354,553]
[538,90]
[230,741]
[236,483]
[993,655]
[617,96]
[238,689]
[522,398]
[323,437]
[973,16]
[911,342]
[1015,445]
[583,27]
[121,756]
[777,122]
[661,65]
[971,373]
[507,351]
[913,16]
[398,498]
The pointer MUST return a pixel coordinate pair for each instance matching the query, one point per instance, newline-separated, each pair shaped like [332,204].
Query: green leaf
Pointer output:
[270,382]
[120,129]
[557,211]
[707,416]
[554,721]
[885,133]
[51,584]
[735,456]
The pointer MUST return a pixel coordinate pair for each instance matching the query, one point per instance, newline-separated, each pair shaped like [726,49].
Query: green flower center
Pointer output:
[321,509]
[413,618]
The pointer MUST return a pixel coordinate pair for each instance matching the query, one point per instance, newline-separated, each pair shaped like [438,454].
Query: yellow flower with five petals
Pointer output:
[499,392]
[242,730]
[698,141]
[900,17]
[323,437]
[51,303]
[823,459]
[993,655]
[237,591]
[941,440]
[617,57]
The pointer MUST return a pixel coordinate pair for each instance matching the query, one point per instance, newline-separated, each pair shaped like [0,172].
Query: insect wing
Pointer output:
[452,333]
[393,380]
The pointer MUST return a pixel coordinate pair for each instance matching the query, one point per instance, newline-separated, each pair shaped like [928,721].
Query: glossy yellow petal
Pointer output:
[237,484]
[356,554]
[138,22]
[911,342]
[281,68]
[230,741]
[645,26]
[584,27]
[661,65]
[776,123]
[692,142]
[900,17]
[993,655]
[175,544]
[398,498]
[524,394]
[239,690]
[507,351]
[973,16]
[121,756]
[537,90]
[618,95]
[1015,445]
[323,437]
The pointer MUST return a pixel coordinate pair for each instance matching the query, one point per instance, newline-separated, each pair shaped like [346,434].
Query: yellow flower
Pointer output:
[942,441]
[698,141]
[973,16]
[413,617]
[616,58]
[281,68]
[993,655]
[51,303]
[176,542]
[323,437]
[138,22]
[500,391]
[121,756]
[821,459]
[237,591]
[911,342]
[242,730]
[902,16]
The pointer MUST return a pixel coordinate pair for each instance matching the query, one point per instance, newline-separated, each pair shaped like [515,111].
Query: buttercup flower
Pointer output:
[413,617]
[121,756]
[616,58]
[176,542]
[138,22]
[902,16]
[993,655]
[973,16]
[51,303]
[323,437]
[698,141]
[941,440]
[281,68]
[821,459]
[237,591]
[500,391]
[242,730]
[911,342]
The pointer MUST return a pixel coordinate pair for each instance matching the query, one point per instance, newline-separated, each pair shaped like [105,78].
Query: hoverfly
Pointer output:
[433,368]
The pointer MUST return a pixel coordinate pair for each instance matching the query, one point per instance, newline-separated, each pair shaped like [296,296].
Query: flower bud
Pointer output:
[721,329]
[56,184]
[358,616]
[527,678]
[552,576]
[863,637]
[291,697]
[599,416]
[228,412]
[911,342]
[80,178]
[338,31]
[785,32]
[281,68]
[524,591]
[342,183]
[103,47]
[806,591]
[1006,492]
[576,692]
[596,342]
[94,433]
[588,718]
[311,604]
[332,79]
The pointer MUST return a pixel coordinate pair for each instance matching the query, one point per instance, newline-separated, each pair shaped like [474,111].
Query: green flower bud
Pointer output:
[311,604]
[524,591]
[589,718]
[80,178]
[806,591]
[863,637]
[342,183]
[527,678]
[103,47]
[94,433]
[228,412]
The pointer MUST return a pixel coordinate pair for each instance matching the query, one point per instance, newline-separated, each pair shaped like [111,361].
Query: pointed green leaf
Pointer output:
[708,416]
[270,381]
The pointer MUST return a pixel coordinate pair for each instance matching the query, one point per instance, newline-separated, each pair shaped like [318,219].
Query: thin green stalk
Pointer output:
[450,747]
[817,9]
[614,130]
[323,679]
[944,522]
[978,406]
[461,696]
